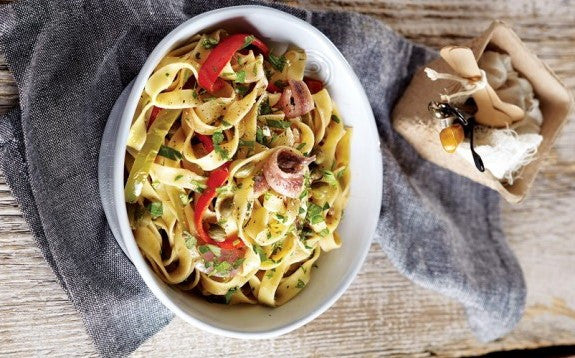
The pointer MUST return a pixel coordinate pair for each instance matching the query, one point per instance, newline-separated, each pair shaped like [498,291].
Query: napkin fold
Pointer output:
[71,60]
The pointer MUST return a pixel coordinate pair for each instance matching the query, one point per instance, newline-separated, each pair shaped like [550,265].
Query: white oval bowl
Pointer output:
[336,269]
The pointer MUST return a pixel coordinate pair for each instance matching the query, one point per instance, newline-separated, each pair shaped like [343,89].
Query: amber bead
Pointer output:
[451,137]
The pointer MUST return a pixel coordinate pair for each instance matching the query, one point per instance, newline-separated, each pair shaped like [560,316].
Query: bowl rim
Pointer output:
[118,175]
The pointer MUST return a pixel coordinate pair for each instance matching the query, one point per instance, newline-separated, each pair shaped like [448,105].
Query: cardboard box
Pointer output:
[413,121]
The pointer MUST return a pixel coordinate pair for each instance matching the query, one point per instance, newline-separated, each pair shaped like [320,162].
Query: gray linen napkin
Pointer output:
[71,60]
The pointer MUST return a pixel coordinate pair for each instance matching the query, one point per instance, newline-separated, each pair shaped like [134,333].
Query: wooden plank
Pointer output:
[382,314]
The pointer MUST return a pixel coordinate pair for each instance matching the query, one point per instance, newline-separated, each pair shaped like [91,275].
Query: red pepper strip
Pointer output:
[153,115]
[216,179]
[314,85]
[206,142]
[222,54]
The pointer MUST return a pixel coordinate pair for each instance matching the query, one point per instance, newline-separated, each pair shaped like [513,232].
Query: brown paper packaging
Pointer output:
[413,121]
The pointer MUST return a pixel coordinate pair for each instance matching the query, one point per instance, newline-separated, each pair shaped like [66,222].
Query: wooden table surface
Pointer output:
[382,313]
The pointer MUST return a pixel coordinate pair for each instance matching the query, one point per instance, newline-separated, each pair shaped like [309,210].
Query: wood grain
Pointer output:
[382,314]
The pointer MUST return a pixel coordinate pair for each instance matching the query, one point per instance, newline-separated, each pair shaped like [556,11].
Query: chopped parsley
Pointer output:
[278,62]
[230,293]
[278,124]
[223,267]
[335,118]
[258,250]
[260,136]
[300,146]
[300,284]
[304,193]
[241,89]
[209,43]
[209,247]
[248,41]
[270,273]
[156,209]
[178,177]
[247,143]
[241,76]
[189,240]
[169,152]
[314,213]
[324,232]
[217,139]
[329,177]
[184,198]
[265,107]
[198,186]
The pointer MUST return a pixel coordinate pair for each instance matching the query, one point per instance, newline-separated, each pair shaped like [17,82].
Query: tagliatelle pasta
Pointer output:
[237,175]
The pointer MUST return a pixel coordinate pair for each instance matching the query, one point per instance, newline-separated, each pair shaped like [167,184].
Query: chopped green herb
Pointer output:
[230,293]
[218,137]
[303,193]
[301,210]
[223,267]
[326,206]
[329,177]
[198,186]
[178,177]
[270,274]
[248,41]
[184,198]
[195,94]
[156,209]
[222,152]
[203,249]
[277,62]
[259,135]
[324,232]
[265,107]
[169,152]
[209,43]
[300,146]
[189,240]
[278,124]
[281,218]
[314,213]
[247,143]
[241,89]
[214,249]
[224,189]
[300,284]
[226,123]
[258,250]
[335,118]
[241,76]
